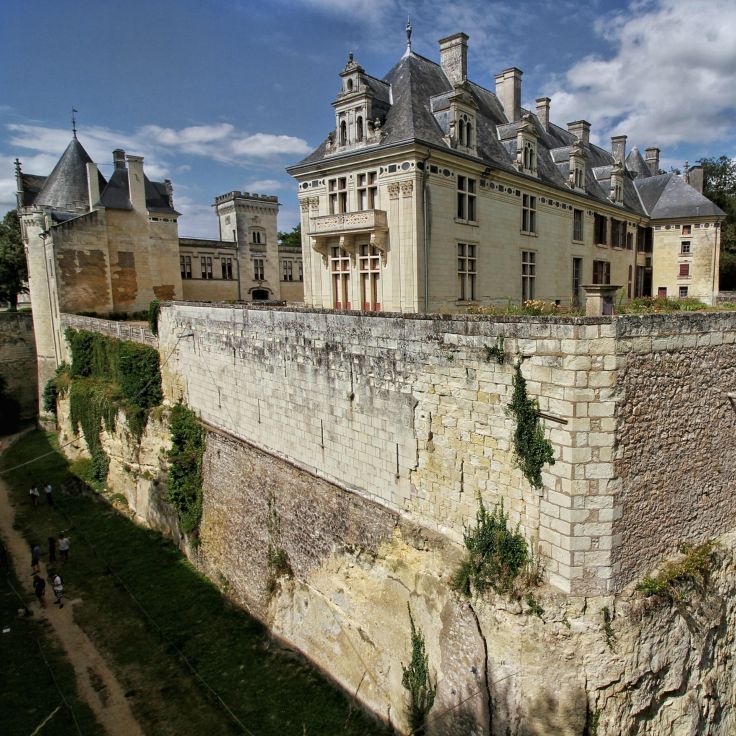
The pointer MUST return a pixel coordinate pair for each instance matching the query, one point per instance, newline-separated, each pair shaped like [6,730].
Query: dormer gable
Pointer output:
[616,194]
[576,176]
[526,146]
[456,112]
[360,109]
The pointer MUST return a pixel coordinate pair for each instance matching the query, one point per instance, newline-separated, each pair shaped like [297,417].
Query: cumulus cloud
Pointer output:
[263,186]
[670,77]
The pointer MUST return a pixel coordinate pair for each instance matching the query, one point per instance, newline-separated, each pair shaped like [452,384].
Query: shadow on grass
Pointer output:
[155,616]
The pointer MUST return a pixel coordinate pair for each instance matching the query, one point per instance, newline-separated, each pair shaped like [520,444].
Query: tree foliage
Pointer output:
[719,185]
[292,239]
[13,270]
[417,681]
[184,488]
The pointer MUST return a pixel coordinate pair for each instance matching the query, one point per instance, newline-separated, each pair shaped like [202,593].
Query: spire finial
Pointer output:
[74,122]
[408,33]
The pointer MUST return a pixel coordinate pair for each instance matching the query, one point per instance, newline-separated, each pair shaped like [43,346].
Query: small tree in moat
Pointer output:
[417,681]
[13,270]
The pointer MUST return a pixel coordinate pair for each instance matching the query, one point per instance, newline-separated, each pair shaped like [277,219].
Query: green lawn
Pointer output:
[157,619]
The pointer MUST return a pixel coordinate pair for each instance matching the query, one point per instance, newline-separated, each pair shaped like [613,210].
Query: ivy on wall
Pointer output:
[532,448]
[184,489]
[108,375]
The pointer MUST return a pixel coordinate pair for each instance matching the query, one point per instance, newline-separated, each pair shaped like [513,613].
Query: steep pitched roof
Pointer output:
[116,194]
[668,195]
[65,188]
[636,164]
[31,185]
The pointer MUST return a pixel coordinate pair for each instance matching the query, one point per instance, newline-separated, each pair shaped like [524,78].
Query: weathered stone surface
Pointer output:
[18,360]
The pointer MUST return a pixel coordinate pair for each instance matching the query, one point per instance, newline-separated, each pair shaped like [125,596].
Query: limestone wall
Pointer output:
[18,360]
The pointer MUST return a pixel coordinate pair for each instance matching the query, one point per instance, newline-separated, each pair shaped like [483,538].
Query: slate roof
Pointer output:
[420,91]
[31,186]
[669,195]
[65,189]
[636,164]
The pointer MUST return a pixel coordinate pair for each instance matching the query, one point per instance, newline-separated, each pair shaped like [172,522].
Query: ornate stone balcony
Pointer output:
[349,223]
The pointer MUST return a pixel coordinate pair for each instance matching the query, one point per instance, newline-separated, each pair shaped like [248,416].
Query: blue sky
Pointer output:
[223,94]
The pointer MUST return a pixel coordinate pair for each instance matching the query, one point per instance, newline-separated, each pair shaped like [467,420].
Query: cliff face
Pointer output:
[350,567]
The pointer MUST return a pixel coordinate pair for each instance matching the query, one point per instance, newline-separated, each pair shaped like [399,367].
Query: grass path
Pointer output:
[187,660]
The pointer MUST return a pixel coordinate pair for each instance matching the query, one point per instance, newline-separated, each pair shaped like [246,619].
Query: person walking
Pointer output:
[63,547]
[39,588]
[34,495]
[58,587]
[35,557]
[48,490]
[52,549]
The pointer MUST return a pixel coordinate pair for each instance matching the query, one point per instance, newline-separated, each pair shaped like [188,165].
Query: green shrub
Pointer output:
[676,581]
[532,449]
[496,555]
[417,681]
[184,491]
[55,387]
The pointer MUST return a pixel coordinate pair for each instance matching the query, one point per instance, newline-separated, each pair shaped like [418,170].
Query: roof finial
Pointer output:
[408,33]
[74,122]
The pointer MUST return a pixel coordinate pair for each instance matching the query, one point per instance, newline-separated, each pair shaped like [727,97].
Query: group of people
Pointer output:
[61,544]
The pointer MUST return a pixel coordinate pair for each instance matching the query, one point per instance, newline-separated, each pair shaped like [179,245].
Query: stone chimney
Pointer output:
[696,178]
[136,183]
[618,148]
[118,158]
[454,57]
[581,130]
[93,185]
[543,111]
[652,159]
[508,91]
[169,187]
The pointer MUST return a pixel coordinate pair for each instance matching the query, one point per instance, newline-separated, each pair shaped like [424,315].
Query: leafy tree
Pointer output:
[292,239]
[719,185]
[13,271]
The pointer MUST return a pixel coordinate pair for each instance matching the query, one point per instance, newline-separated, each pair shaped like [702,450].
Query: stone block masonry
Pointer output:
[18,360]
[407,412]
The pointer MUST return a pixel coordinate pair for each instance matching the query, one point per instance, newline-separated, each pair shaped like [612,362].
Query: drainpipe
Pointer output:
[716,265]
[425,214]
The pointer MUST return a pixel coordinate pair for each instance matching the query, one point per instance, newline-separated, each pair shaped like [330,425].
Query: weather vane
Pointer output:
[74,121]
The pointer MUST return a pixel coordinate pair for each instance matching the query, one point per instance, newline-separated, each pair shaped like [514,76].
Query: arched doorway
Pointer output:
[260,295]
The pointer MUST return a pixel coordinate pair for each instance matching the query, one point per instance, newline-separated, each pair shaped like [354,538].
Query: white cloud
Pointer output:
[265,144]
[670,78]
[197,220]
[263,186]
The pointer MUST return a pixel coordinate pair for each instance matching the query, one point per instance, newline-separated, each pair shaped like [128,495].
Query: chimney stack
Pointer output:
[696,178]
[581,130]
[652,159]
[136,183]
[169,192]
[454,57]
[118,158]
[93,185]
[508,91]
[618,148]
[543,111]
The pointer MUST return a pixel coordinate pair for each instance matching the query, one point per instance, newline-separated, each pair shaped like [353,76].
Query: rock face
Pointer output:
[18,360]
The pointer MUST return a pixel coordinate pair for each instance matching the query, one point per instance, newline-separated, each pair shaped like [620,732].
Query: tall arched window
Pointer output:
[461,132]
[468,134]
[343,133]
[359,128]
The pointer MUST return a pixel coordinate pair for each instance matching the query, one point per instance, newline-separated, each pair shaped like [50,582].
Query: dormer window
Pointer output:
[349,85]
[465,131]
[530,156]
[359,128]
[343,133]
[526,146]
[578,154]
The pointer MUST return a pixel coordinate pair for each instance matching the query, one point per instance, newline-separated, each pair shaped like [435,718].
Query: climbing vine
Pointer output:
[154,309]
[532,448]
[184,489]
[106,376]
[417,681]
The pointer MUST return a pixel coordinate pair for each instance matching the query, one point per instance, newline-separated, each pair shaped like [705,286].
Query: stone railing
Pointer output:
[135,331]
[349,222]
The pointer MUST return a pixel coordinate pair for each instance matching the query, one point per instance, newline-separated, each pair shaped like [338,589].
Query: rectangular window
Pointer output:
[185,263]
[629,241]
[618,233]
[528,214]
[227,267]
[301,271]
[577,225]
[206,264]
[600,229]
[369,263]
[682,292]
[686,230]
[258,269]
[466,272]
[528,275]
[340,271]
[338,195]
[685,247]
[287,270]
[601,272]
[465,198]
[367,191]
[577,280]
[662,292]
[684,270]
